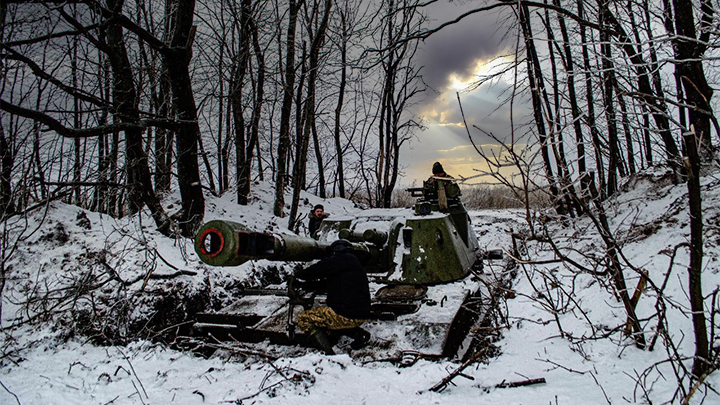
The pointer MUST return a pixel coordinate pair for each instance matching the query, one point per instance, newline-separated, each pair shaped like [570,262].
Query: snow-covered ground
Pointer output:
[71,269]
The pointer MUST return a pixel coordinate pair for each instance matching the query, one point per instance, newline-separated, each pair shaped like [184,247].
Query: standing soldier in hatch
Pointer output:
[441,186]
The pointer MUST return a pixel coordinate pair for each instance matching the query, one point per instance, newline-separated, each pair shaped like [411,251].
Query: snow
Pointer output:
[54,362]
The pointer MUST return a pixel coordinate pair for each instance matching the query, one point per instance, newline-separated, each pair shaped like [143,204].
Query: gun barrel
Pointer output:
[225,243]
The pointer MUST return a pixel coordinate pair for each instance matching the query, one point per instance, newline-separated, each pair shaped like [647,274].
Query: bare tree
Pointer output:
[7,207]
[701,362]
[177,59]
[247,146]
[689,47]
[345,14]
[400,87]
[317,40]
[286,110]
[537,86]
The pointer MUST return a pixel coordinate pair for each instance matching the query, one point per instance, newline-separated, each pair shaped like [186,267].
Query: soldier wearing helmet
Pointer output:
[348,297]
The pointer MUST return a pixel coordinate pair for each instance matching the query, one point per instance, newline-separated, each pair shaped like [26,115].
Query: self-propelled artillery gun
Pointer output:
[425,268]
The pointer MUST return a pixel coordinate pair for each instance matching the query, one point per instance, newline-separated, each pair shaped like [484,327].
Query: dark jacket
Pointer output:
[348,293]
[314,224]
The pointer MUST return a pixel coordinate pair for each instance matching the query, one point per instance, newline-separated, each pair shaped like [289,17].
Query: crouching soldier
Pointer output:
[348,298]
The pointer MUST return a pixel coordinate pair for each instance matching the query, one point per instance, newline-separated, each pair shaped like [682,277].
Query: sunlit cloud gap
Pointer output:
[462,148]
[483,69]
[455,149]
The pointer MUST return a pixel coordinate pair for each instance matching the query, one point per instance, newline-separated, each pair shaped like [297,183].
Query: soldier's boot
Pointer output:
[360,338]
[320,339]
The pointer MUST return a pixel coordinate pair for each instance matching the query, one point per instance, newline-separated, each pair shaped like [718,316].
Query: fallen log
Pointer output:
[522,383]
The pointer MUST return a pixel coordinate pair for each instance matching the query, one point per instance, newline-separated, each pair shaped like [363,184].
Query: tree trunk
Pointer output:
[657,82]
[319,160]
[608,75]
[208,167]
[77,144]
[126,105]
[101,190]
[574,108]
[281,179]
[37,161]
[221,112]
[300,153]
[254,142]
[250,35]
[341,98]
[163,137]
[226,146]
[114,195]
[7,207]
[177,59]
[701,362]
[388,134]
[628,135]
[615,266]
[7,159]
[689,50]
[382,131]
[589,91]
[534,78]
[286,110]
[236,97]
[100,194]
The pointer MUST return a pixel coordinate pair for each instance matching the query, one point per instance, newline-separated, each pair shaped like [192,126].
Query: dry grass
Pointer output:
[482,197]
[473,197]
[498,197]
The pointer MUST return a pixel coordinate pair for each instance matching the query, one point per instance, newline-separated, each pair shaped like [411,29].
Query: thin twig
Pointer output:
[10,392]
[138,392]
[694,388]
[439,387]
[601,387]
[134,373]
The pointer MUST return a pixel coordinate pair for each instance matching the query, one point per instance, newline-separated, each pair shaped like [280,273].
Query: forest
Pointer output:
[203,96]
[112,105]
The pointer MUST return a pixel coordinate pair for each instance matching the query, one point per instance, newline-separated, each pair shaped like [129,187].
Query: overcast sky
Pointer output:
[459,54]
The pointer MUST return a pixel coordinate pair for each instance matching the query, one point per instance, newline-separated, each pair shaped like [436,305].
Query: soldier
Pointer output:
[441,186]
[348,298]
[316,216]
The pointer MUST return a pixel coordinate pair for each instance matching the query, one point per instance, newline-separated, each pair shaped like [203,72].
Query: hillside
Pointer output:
[92,305]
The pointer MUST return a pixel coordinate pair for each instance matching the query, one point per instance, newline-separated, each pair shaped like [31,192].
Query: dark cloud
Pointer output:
[455,48]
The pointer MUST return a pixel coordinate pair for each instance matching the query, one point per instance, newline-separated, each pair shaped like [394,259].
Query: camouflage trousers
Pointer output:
[325,317]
